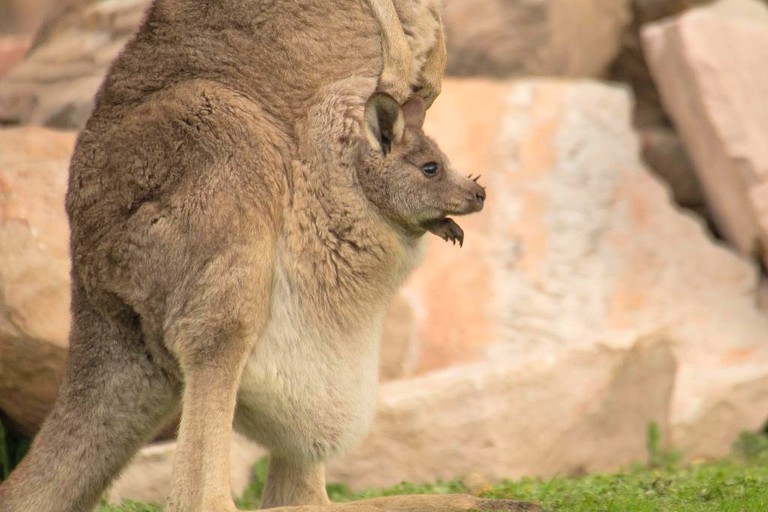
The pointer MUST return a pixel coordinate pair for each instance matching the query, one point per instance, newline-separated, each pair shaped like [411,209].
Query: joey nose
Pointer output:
[478,197]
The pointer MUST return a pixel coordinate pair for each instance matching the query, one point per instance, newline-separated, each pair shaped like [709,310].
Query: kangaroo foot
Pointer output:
[422,503]
[446,503]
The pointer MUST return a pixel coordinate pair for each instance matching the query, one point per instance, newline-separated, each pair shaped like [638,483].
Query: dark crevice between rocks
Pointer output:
[663,151]
[13,446]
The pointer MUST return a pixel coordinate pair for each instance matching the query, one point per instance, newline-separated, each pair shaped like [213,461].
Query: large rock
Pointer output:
[56,83]
[716,97]
[556,37]
[34,271]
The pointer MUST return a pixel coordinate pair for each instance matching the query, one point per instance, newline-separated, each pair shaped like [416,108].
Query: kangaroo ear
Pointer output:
[414,111]
[384,122]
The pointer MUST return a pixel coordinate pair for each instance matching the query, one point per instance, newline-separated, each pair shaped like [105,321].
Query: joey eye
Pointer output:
[429,169]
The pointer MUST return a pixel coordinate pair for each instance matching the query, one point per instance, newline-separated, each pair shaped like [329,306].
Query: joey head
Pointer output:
[406,175]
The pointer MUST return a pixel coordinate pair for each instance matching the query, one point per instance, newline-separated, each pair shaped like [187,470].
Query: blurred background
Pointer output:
[615,280]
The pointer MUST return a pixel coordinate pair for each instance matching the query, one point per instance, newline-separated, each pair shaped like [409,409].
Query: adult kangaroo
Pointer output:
[243,204]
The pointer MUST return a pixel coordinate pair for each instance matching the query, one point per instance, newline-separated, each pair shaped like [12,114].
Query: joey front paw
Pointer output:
[448,230]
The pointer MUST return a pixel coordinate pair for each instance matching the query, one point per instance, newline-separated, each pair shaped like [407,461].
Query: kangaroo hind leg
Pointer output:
[112,400]
[212,333]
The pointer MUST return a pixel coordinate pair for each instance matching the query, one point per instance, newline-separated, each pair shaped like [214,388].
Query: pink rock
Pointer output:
[630,65]
[34,271]
[12,50]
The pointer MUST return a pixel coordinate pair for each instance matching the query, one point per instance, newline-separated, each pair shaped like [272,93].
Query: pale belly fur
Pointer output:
[308,395]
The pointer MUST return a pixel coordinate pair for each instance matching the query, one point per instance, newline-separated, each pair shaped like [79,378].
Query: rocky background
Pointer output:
[615,278]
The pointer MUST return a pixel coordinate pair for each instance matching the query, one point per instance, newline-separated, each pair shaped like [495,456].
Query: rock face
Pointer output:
[716,97]
[556,37]
[34,271]
[56,83]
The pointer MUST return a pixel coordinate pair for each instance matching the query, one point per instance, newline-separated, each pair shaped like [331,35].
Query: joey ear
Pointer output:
[384,123]
[414,111]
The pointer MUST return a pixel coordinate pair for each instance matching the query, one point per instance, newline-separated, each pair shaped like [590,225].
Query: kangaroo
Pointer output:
[242,205]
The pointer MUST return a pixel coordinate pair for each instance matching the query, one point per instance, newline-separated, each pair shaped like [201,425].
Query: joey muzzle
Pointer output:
[476,194]
[473,201]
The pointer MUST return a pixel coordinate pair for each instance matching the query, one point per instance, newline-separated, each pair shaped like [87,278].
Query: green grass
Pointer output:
[717,487]
[737,484]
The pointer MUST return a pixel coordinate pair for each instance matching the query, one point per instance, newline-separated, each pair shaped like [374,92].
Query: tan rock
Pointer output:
[557,37]
[56,83]
[12,50]
[34,271]
[716,97]
[22,16]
